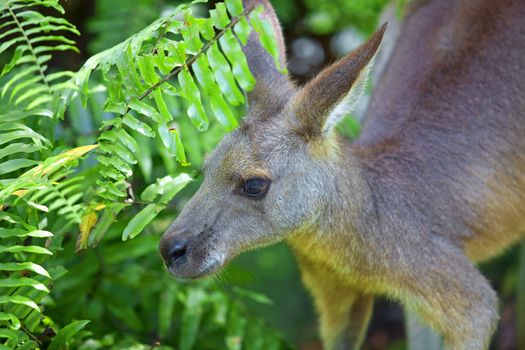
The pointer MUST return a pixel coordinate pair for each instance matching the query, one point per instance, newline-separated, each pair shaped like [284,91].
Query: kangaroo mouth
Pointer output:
[191,271]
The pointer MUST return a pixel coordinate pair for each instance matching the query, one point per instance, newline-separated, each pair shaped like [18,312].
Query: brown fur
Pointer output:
[435,181]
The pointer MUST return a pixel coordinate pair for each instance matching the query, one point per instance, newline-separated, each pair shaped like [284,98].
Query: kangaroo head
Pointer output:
[274,175]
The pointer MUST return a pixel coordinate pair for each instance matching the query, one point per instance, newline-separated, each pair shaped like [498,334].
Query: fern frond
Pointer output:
[29,39]
[49,188]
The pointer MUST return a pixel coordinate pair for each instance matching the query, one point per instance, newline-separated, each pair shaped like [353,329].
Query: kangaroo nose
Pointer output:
[178,249]
[173,250]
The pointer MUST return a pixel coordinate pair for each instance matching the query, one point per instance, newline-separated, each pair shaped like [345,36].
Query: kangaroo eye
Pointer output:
[255,188]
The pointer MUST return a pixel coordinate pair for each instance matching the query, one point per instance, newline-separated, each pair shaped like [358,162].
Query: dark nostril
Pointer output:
[178,249]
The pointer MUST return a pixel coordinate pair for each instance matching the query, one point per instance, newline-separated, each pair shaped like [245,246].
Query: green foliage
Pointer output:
[130,301]
[116,20]
[326,17]
[138,93]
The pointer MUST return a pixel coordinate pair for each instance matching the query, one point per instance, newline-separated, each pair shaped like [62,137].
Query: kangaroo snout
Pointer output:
[174,249]
[188,254]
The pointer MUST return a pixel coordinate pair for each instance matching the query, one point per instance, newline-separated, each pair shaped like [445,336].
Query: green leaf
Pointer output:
[28,83]
[54,163]
[50,27]
[242,30]
[234,7]
[118,149]
[14,60]
[206,28]
[12,219]
[127,140]
[139,221]
[166,188]
[161,60]
[145,109]
[144,156]
[22,282]
[191,34]
[235,55]
[10,335]
[147,69]
[7,44]
[112,173]
[18,299]
[181,155]
[167,138]
[222,112]
[25,249]
[201,69]
[161,105]
[18,76]
[235,326]
[267,36]
[219,16]
[220,108]
[38,89]
[192,94]
[138,126]
[110,135]
[20,148]
[29,266]
[165,308]
[8,32]
[66,333]
[16,232]
[118,164]
[224,76]
[124,153]
[128,72]
[191,318]
[15,322]
[25,132]
[220,308]
[58,75]
[32,321]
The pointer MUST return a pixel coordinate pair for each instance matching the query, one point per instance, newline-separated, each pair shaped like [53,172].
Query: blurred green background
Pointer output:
[122,276]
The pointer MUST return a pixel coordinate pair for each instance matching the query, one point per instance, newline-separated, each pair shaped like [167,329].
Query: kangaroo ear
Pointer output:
[269,80]
[332,94]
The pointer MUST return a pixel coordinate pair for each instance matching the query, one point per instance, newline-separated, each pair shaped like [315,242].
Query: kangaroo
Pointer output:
[434,183]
